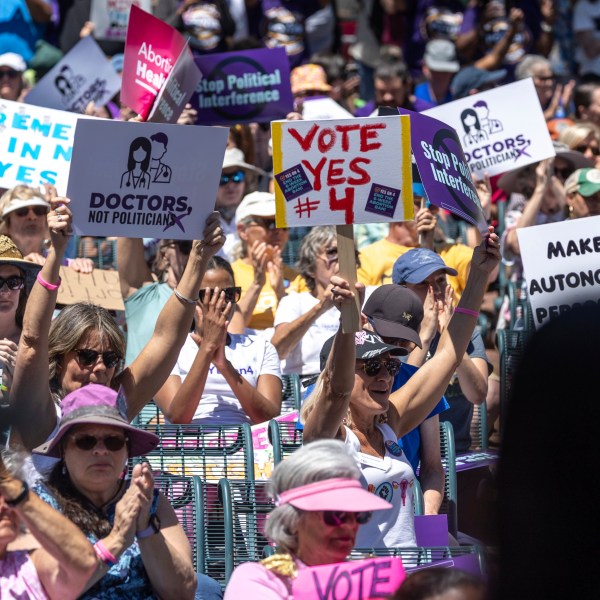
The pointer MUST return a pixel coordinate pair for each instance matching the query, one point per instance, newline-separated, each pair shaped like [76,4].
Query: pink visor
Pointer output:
[333,494]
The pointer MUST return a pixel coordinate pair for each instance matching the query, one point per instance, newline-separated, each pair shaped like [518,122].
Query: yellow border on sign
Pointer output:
[276,133]
[407,187]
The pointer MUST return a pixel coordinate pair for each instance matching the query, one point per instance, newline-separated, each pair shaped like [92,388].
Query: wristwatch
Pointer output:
[23,495]
[152,529]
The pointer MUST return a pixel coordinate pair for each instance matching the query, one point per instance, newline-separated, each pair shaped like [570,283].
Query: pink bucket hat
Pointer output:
[97,405]
[339,493]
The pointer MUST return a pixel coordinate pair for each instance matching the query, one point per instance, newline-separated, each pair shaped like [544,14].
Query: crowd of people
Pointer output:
[210,326]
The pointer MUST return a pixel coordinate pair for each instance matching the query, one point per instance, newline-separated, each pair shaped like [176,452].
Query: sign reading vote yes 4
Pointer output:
[141,180]
[35,145]
[151,50]
[84,75]
[562,265]
[497,138]
[338,172]
[352,580]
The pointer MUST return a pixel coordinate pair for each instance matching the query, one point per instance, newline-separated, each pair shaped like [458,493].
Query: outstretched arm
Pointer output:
[147,373]
[334,387]
[30,392]
[413,401]
[133,270]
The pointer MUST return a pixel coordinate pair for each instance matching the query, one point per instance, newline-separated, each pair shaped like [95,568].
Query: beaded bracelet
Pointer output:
[467,311]
[183,298]
[49,286]
[104,554]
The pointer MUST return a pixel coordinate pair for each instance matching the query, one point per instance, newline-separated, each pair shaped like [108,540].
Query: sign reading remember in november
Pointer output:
[562,266]
[84,75]
[338,172]
[495,135]
[35,145]
[142,180]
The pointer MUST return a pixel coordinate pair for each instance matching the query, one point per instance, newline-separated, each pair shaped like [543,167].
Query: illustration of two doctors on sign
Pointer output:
[144,163]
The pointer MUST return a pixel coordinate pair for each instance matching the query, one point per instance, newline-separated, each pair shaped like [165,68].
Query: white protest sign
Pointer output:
[323,108]
[35,145]
[339,172]
[144,179]
[110,17]
[496,135]
[84,75]
[562,266]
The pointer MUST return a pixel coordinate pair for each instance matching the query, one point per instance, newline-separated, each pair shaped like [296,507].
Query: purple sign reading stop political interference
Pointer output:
[243,87]
[444,171]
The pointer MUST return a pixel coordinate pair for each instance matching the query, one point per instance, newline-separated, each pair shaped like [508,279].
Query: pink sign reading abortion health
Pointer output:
[151,50]
[353,580]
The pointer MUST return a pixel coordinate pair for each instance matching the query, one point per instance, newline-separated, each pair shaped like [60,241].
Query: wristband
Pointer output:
[152,529]
[23,495]
[49,286]
[183,298]
[467,311]
[104,554]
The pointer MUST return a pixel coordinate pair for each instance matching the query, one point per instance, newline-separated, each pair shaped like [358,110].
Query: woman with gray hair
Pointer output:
[309,312]
[307,524]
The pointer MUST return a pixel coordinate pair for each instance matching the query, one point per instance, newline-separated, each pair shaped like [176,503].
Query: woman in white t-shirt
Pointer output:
[221,377]
[304,321]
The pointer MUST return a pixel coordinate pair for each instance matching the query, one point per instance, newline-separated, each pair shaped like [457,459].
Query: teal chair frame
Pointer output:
[285,438]
[448,454]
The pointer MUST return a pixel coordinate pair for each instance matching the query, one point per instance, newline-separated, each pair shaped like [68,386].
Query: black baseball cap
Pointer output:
[396,312]
[368,345]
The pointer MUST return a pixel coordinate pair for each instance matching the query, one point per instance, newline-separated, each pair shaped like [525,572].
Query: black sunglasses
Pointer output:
[236,177]
[584,148]
[334,518]
[10,73]
[268,224]
[232,294]
[87,357]
[373,366]
[113,443]
[13,282]
[39,211]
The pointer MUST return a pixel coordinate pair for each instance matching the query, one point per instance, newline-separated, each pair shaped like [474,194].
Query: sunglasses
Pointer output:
[236,177]
[14,282]
[267,224]
[39,211]
[10,73]
[595,151]
[373,366]
[232,294]
[113,443]
[87,357]
[334,518]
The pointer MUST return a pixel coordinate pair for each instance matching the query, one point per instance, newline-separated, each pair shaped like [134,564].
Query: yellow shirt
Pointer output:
[266,305]
[458,256]
[377,261]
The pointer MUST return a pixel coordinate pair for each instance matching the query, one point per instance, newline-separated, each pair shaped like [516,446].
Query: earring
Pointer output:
[571,211]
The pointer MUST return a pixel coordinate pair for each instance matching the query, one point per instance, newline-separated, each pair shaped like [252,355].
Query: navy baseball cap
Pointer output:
[418,264]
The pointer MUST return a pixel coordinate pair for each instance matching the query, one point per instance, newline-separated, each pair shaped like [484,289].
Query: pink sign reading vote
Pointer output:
[353,580]
[151,50]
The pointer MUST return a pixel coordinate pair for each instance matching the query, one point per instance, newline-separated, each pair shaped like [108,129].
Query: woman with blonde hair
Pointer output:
[583,137]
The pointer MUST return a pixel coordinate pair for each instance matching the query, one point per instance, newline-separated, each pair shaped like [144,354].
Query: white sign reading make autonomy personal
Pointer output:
[144,179]
[501,129]
[84,75]
[562,266]
[35,145]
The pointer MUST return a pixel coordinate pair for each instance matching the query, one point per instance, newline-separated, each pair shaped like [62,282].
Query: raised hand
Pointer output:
[486,256]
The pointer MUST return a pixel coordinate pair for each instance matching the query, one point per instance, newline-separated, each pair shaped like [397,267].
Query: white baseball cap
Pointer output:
[256,204]
[13,61]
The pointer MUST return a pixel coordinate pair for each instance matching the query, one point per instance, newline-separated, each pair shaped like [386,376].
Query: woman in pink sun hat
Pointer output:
[320,505]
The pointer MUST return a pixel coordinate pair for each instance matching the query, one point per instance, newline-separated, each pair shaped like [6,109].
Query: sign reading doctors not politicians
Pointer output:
[141,180]
[495,137]
[84,75]
[338,172]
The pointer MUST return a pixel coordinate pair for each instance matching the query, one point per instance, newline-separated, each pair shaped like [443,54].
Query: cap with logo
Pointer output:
[396,312]
[583,181]
[368,345]
[440,55]
[418,264]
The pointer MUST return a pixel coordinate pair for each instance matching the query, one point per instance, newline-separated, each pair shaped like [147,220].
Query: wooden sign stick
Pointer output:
[347,262]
